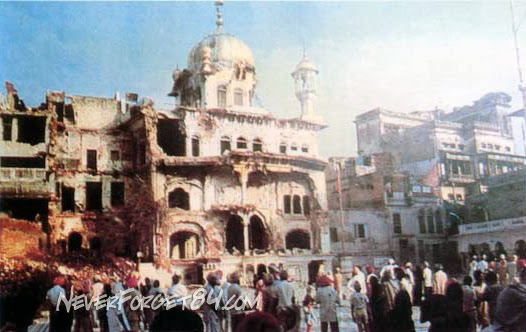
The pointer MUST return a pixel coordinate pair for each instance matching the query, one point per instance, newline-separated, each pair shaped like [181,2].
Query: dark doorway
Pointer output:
[28,209]
[257,234]
[234,234]
[184,245]
[74,241]
[170,137]
[93,196]
[117,194]
[297,239]
[91,157]
[68,198]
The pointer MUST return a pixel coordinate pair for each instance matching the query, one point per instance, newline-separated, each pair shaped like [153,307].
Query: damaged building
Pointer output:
[218,182]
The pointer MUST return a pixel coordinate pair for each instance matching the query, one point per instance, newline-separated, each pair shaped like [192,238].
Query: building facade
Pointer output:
[215,183]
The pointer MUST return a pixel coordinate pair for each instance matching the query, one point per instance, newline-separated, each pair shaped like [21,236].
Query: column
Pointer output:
[245,236]
[14,130]
[243,177]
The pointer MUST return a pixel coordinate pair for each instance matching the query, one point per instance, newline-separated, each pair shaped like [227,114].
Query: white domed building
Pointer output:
[234,188]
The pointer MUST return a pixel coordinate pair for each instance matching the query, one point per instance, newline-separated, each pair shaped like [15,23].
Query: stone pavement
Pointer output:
[347,325]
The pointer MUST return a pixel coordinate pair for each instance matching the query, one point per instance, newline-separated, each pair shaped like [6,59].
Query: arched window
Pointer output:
[225,144]
[305,148]
[179,199]
[297,239]
[283,147]
[296,204]
[430,221]
[422,221]
[257,145]
[238,97]
[241,143]
[195,146]
[221,96]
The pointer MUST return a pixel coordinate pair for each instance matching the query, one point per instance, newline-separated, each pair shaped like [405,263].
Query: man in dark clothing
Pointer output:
[511,307]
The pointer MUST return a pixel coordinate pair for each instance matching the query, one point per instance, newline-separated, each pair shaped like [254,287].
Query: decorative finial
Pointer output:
[219,21]
[304,50]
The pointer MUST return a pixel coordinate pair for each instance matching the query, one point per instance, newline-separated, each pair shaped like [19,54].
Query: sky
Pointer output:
[400,56]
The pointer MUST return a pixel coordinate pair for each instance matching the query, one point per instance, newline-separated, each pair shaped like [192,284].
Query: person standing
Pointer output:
[58,319]
[491,293]
[511,307]
[177,291]
[473,266]
[224,321]
[359,303]
[400,317]
[338,279]
[308,313]
[210,311]
[469,307]
[234,294]
[511,267]
[133,313]
[358,277]
[502,270]
[327,297]
[482,265]
[440,280]
[428,280]
[482,306]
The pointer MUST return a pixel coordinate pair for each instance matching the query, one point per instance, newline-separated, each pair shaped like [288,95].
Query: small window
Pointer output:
[8,125]
[179,199]
[195,146]
[334,234]
[497,147]
[115,155]
[283,148]
[359,231]
[241,143]
[238,97]
[221,96]
[286,204]
[483,145]
[461,146]
[293,147]
[305,149]
[91,157]
[306,205]
[490,146]
[117,193]
[508,149]
[257,145]
[296,204]
[225,144]
[397,223]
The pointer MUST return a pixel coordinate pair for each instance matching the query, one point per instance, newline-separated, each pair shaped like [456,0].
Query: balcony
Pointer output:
[492,226]
[24,174]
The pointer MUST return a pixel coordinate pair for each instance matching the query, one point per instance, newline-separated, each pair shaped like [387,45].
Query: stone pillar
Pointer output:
[14,130]
[245,237]
[243,177]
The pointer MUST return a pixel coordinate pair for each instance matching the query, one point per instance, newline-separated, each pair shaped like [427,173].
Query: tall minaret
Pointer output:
[305,79]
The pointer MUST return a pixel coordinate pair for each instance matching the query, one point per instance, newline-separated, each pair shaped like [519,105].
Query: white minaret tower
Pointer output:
[305,80]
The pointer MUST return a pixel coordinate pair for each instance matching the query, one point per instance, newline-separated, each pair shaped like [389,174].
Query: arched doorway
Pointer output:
[179,199]
[261,269]
[184,245]
[499,249]
[297,239]
[234,234]
[74,241]
[520,249]
[257,234]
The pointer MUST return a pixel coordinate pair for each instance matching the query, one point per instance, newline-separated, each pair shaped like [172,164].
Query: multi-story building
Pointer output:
[377,212]
[216,182]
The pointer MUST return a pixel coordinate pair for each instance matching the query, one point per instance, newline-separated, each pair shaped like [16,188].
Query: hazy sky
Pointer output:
[401,56]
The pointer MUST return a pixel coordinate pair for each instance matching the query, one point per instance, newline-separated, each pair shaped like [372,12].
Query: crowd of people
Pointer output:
[491,297]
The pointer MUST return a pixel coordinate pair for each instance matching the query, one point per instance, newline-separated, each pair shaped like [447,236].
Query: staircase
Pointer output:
[148,270]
